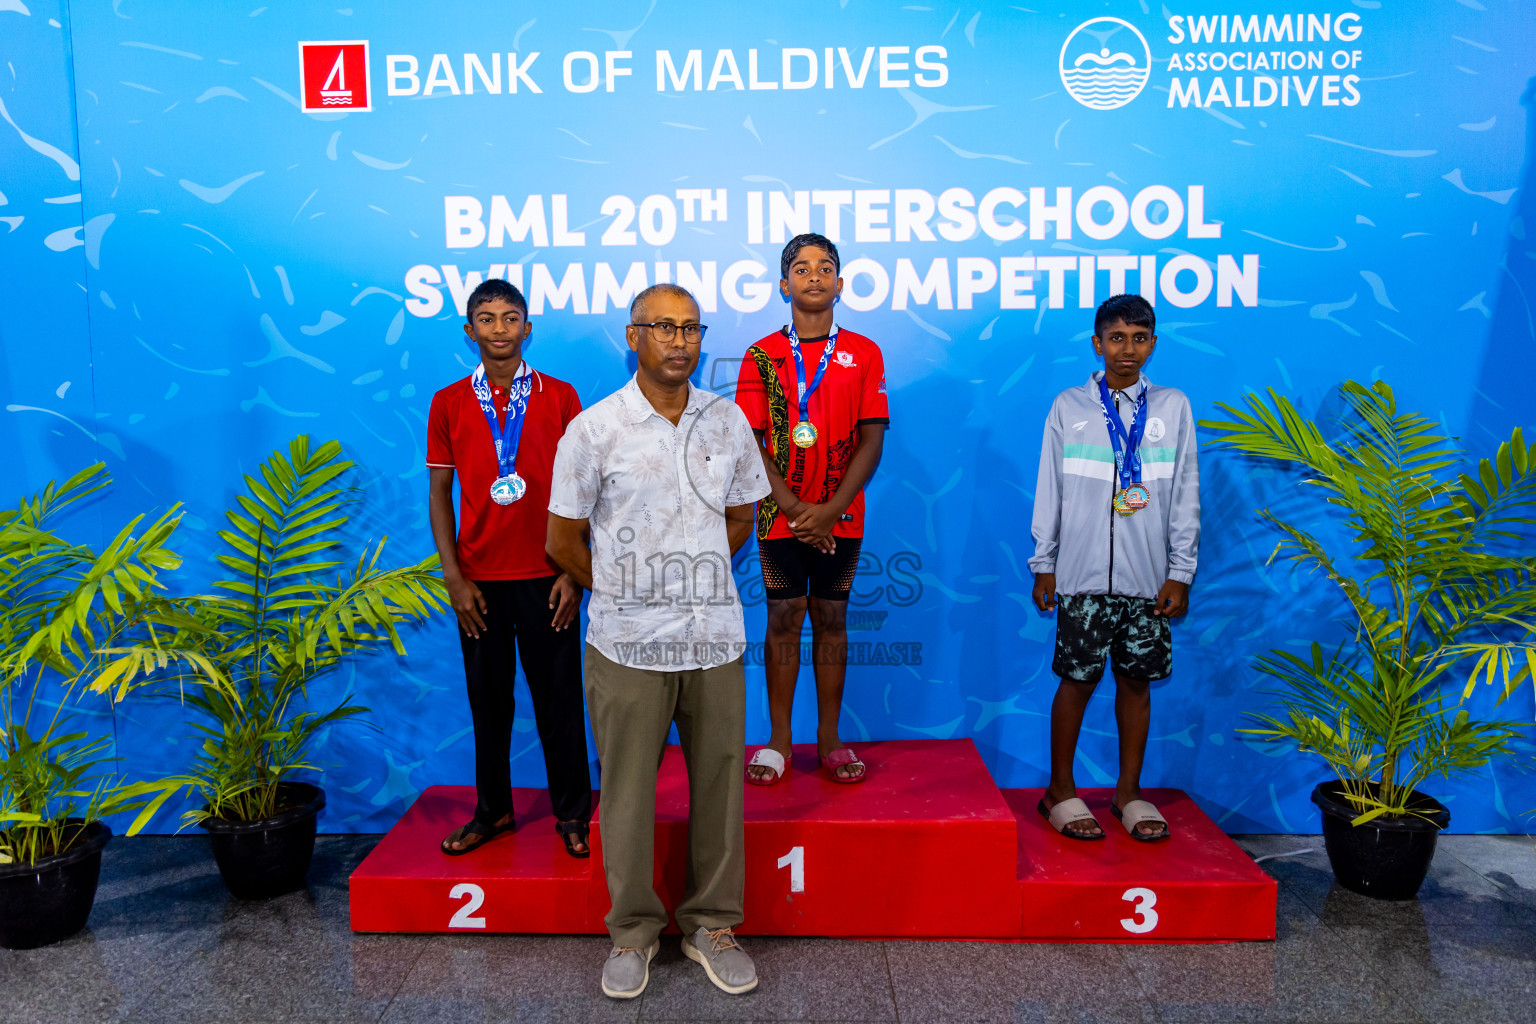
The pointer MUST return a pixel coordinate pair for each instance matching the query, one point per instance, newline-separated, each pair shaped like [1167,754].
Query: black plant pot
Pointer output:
[271,856]
[50,900]
[1386,858]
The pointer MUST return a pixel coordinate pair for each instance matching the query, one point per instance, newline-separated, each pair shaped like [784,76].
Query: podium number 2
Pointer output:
[1146,918]
[473,896]
[795,861]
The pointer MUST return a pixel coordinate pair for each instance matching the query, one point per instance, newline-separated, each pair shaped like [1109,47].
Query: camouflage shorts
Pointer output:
[1092,627]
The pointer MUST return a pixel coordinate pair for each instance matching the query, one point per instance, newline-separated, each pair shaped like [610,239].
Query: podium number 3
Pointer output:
[795,861]
[1146,918]
[473,896]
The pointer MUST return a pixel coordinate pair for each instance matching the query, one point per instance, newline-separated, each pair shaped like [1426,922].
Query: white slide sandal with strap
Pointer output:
[1135,813]
[1066,813]
[768,758]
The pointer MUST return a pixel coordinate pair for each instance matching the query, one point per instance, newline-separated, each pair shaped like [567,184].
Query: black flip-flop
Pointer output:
[567,829]
[474,828]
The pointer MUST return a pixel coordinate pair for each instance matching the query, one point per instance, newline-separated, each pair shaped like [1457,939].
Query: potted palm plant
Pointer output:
[246,657]
[60,602]
[1436,587]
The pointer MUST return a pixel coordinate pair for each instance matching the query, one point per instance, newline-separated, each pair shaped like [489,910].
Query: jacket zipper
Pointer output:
[1111,538]
[1112,484]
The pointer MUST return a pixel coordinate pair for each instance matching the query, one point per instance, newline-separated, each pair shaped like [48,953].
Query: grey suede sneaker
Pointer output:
[726,963]
[628,970]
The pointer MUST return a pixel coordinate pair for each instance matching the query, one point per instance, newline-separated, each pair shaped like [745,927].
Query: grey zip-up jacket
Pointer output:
[1077,534]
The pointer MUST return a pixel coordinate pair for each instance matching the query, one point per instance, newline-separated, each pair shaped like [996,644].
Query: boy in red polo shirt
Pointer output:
[497,429]
[815,395]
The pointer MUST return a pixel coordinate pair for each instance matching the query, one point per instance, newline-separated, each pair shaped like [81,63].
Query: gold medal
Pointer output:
[804,434]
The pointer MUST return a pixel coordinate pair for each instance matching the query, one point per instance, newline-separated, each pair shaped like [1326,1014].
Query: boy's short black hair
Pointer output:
[800,242]
[490,291]
[1129,309]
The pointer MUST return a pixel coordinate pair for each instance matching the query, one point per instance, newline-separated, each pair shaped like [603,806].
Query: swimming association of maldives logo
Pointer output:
[333,76]
[1105,63]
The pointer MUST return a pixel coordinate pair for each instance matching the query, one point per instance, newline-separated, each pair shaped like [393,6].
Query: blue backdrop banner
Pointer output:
[228,225]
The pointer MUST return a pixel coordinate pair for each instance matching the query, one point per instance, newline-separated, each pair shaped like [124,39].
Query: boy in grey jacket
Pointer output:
[1116,528]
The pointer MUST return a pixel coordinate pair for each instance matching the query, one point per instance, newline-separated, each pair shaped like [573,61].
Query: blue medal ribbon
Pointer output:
[805,391]
[1127,446]
[509,433]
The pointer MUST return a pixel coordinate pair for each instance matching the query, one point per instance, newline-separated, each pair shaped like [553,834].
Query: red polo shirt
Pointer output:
[851,393]
[500,542]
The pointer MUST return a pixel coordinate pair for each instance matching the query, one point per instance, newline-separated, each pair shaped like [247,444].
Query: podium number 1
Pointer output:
[795,861]
[1146,918]
[473,896]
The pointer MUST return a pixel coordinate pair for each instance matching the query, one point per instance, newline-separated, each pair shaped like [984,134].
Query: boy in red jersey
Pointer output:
[815,395]
[498,429]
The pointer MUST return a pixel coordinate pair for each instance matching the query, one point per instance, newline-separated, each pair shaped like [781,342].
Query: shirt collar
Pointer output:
[638,408]
[524,369]
[1143,381]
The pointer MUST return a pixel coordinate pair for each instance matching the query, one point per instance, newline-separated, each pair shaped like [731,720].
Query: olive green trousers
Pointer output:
[632,711]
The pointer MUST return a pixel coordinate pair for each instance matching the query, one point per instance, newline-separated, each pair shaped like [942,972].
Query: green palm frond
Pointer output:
[1429,598]
[293,608]
[61,603]
[1498,496]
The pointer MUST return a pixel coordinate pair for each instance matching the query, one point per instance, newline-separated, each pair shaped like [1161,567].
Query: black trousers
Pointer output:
[517,625]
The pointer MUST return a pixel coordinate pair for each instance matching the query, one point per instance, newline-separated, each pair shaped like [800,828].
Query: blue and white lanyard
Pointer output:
[509,433]
[805,391]
[1127,446]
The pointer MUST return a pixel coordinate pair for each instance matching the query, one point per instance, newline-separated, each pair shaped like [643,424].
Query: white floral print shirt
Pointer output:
[655,497]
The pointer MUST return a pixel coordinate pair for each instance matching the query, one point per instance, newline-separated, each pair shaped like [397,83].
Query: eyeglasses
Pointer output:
[693,334]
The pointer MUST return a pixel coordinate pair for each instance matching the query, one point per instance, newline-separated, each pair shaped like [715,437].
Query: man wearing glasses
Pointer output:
[653,492]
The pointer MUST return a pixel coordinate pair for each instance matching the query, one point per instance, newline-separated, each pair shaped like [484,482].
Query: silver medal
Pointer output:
[508,489]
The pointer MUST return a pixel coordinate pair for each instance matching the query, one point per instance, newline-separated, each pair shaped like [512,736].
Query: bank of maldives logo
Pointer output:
[1105,63]
[334,76]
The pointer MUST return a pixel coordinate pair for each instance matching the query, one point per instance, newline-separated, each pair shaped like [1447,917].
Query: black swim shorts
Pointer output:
[792,568]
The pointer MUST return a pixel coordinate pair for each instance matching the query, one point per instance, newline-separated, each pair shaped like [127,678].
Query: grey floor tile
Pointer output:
[1014,981]
[1298,863]
[1269,846]
[1459,975]
[1510,860]
[1309,973]
[135,940]
[164,881]
[497,978]
[91,976]
[798,979]
[280,960]
[289,958]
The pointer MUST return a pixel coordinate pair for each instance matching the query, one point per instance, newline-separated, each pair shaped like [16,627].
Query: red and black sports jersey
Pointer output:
[851,393]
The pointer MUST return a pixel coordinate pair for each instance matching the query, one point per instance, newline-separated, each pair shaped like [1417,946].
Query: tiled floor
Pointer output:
[167,943]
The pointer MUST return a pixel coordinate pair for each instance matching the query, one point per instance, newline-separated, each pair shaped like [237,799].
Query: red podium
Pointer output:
[926,847]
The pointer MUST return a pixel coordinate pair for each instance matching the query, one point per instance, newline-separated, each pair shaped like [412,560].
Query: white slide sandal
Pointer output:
[1065,813]
[1135,813]
[768,758]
